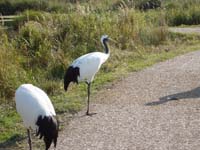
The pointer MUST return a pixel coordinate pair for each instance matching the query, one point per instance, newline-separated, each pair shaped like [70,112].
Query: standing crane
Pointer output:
[37,112]
[84,68]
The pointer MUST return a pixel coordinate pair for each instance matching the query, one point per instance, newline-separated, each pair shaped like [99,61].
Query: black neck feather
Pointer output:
[106,48]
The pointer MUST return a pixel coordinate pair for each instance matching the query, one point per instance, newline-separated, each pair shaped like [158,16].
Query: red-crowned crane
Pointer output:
[84,68]
[37,112]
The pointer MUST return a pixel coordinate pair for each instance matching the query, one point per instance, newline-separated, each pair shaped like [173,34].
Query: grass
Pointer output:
[183,13]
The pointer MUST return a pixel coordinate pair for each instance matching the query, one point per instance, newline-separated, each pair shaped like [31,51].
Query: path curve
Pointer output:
[186,30]
[136,113]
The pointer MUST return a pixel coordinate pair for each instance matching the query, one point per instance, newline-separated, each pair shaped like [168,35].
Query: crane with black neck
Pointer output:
[84,68]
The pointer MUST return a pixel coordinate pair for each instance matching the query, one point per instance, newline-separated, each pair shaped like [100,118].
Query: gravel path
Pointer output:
[188,30]
[140,113]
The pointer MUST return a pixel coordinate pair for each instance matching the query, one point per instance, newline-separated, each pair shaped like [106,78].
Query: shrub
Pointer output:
[153,36]
[148,4]
[80,33]
[30,16]
[34,43]
[10,7]
[139,4]
[49,42]
[189,16]
[51,87]
[11,74]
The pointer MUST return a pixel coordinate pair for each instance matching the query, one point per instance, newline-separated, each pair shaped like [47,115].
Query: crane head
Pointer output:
[104,38]
[107,38]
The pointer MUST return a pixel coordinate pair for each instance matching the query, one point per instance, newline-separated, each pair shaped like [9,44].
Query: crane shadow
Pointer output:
[194,93]
[12,141]
[85,115]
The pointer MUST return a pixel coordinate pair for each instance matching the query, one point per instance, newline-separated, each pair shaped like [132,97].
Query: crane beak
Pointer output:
[112,40]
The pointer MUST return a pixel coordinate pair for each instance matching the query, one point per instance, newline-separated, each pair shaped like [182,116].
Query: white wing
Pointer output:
[32,102]
[45,99]
[89,65]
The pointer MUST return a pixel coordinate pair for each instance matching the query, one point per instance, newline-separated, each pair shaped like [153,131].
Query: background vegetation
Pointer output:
[38,46]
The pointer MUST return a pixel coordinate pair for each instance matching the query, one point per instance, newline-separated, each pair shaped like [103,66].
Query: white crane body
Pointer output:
[84,68]
[37,113]
[32,102]
[89,65]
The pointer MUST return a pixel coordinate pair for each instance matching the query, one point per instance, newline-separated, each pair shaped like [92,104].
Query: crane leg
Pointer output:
[88,102]
[29,139]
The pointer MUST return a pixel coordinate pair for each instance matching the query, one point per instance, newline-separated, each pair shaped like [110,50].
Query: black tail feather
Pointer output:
[55,142]
[71,75]
[48,128]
